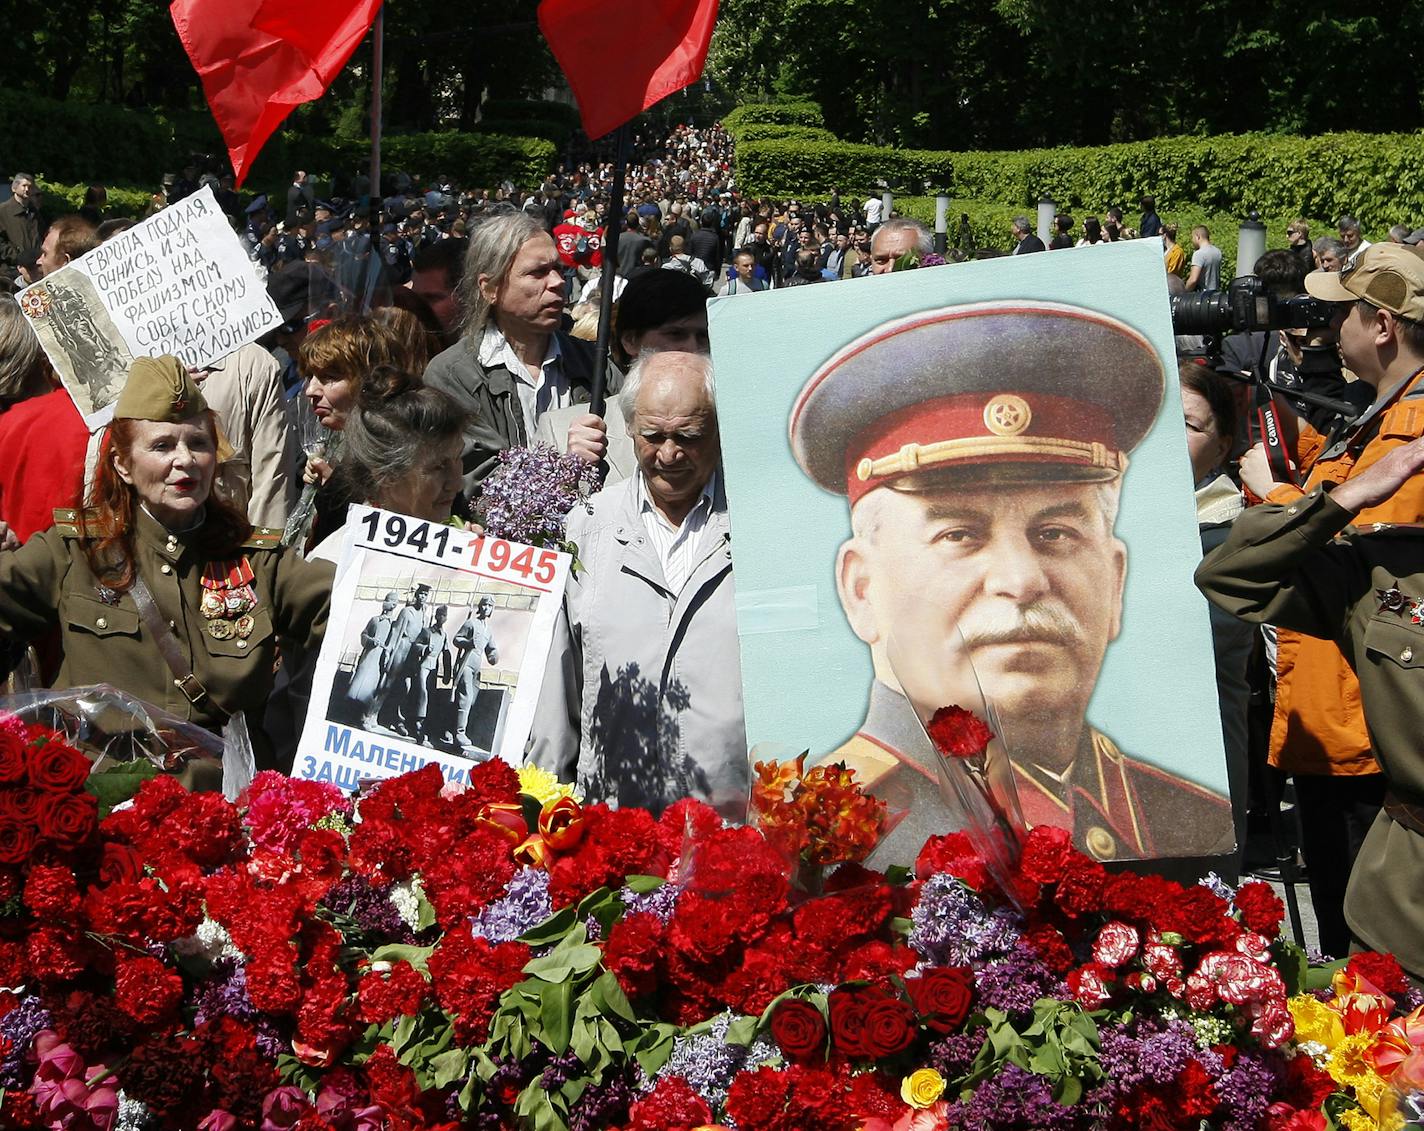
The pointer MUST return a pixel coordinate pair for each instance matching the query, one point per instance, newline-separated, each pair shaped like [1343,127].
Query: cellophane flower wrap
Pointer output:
[502,955]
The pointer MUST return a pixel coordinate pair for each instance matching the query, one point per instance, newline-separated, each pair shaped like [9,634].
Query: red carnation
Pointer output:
[1381,970]
[634,952]
[798,1027]
[1283,1117]
[1047,854]
[959,733]
[397,992]
[147,990]
[56,767]
[941,996]
[52,895]
[1260,907]
[671,1106]
[953,853]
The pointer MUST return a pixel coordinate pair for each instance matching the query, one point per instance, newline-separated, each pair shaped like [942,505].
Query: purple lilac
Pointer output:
[1014,1100]
[661,901]
[524,906]
[1015,982]
[706,1061]
[952,927]
[529,495]
[1142,1054]
[19,1027]
[1246,1091]
[223,995]
[602,1105]
[952,1057]
[370,907]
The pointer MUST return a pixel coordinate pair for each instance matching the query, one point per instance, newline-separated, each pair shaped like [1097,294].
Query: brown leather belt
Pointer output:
[1403,813]
[170,649]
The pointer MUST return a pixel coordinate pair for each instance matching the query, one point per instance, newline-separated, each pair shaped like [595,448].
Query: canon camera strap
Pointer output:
[1268,427]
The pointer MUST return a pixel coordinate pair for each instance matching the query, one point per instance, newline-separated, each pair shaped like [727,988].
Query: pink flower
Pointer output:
[218,1120]
[932,1118]
[280,809]
[62,1090]
[283,1107]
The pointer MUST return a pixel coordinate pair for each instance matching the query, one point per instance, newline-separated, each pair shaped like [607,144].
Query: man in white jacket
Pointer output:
[642,700]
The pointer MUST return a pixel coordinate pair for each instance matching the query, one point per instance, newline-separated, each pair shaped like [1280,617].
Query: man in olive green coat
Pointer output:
[1300,566]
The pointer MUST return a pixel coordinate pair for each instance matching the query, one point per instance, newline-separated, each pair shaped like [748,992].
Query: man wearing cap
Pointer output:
[1318,734]
[410,622]
[982,449]
[162,589]
[474,644]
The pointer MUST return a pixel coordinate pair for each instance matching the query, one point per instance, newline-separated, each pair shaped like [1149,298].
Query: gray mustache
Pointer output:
[1041,622]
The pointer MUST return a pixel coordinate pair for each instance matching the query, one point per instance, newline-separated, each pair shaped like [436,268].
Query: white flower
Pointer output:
[405,897]
[210,941]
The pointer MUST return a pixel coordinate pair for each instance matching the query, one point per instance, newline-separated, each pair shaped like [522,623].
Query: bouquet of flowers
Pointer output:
[527,498]
[501,955]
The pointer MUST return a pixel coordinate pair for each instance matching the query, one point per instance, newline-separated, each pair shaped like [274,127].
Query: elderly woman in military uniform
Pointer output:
[159,587]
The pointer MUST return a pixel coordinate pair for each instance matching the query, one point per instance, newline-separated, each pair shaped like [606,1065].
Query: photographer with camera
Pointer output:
[1318,733]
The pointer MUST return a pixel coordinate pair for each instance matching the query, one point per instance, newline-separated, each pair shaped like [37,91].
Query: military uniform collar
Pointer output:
[171,543]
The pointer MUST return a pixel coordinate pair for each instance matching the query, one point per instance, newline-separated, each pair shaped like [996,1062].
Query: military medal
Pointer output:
[229,599]
[1391,600]
[107,595]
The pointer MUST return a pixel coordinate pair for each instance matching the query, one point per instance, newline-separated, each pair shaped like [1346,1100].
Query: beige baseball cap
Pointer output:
[1387,275]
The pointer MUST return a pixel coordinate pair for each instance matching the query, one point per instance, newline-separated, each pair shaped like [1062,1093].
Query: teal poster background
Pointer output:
[805,674]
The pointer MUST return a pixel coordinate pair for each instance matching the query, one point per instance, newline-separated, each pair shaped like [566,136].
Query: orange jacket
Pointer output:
[1319,726]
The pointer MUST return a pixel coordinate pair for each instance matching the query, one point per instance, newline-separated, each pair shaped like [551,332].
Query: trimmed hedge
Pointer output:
[472,159]
[786,167]
[989,225]
[546,128]
[59,200]
[769,131]
[773,113]
[1378,178]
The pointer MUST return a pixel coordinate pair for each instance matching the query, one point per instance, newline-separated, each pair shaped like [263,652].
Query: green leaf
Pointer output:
[608,997]
[1318,977]
[556,1015]
[642,885]
[116,784]
[653,1047]
[898,874]
[424,911]
[417,956]
[552,929]
[562,962]
[448,1067]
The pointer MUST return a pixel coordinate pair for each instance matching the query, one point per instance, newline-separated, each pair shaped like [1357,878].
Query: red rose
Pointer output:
[959,733]
[119,864]
[889,1027]
[56,767]
[68,819]
[798,1027]
[17,841]
[848,1009]
[941,996]
[12,754]
[19,803]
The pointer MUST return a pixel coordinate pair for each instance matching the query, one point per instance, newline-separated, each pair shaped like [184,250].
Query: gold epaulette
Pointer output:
[68,522]
[263,538]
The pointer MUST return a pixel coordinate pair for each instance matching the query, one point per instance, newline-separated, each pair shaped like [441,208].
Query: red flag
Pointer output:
[617,68]
[260,59]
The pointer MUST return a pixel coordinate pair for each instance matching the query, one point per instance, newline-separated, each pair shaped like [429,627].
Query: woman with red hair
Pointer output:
[159,587]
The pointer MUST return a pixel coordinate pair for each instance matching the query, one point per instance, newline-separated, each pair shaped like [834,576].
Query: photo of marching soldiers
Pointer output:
[432,659]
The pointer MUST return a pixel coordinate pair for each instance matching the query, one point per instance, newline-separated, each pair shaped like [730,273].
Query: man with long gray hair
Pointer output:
[513,363]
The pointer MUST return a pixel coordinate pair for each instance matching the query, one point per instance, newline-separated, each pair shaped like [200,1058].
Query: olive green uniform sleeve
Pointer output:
[30,580]
[1281,565]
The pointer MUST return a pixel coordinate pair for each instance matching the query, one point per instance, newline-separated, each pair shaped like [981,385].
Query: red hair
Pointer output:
[107,526]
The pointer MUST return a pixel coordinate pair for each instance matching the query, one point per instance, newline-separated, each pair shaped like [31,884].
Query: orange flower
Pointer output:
[1401,1040]
[561,824]
[505,818]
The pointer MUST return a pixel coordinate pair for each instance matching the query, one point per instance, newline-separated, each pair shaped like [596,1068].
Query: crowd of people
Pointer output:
[187,547]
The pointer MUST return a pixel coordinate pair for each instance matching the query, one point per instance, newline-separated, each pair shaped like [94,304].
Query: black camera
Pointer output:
[1245,306]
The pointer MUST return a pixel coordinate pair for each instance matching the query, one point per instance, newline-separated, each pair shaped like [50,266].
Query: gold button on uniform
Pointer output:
[242,643]
[1407,655]
[165,568]
[102,622]
[1291,510]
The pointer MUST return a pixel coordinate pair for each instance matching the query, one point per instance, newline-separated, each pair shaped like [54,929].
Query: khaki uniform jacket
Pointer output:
[47,584]
[1284,565]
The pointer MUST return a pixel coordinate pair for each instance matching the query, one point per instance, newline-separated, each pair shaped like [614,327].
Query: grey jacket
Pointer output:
[496,421]
[642,698]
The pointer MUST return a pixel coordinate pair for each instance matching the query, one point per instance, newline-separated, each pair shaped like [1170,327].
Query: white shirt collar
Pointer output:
[496,350]
[707,500]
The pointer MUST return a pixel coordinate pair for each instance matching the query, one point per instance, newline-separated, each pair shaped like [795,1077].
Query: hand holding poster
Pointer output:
[178,283]
[434,652]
